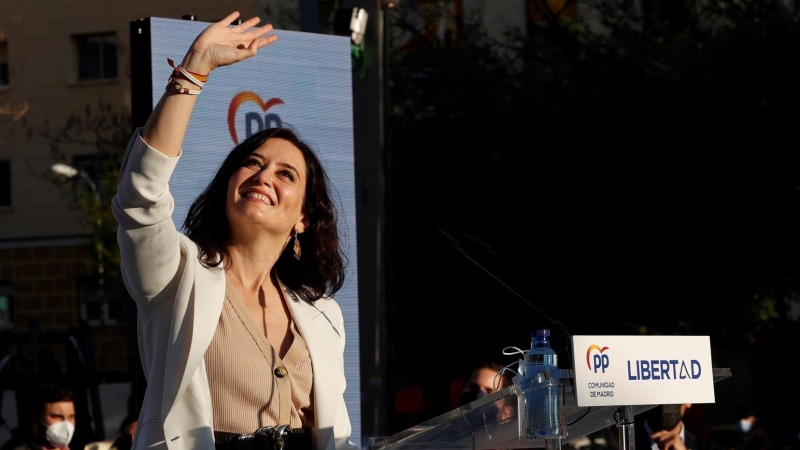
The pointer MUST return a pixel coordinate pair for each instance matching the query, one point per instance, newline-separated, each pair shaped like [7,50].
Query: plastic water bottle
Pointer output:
[543,403]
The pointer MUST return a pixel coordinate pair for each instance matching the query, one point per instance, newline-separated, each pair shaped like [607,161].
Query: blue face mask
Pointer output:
[745,426]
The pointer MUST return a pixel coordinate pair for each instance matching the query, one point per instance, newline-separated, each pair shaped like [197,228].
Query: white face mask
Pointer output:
[745,426]
[60,433]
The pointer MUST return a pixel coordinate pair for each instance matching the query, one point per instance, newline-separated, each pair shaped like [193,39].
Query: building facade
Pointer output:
[65,97]
[65,67]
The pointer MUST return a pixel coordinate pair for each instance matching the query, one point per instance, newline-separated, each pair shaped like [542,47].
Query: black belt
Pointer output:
[265,438]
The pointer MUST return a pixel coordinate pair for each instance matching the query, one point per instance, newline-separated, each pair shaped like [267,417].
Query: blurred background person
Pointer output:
[124,440]
[751,433]
[487,379]
[52,419]
[744,432]
[662,428]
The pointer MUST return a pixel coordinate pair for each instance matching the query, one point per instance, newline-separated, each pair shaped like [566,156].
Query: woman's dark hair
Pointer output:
[320,270]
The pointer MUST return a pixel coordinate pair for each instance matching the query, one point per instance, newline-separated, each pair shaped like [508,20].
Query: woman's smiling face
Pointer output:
[267,191]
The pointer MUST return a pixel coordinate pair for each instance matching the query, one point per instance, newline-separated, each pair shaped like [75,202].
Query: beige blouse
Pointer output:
[251,386]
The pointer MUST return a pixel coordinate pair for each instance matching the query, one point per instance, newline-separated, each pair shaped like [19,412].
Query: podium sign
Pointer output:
[642,370]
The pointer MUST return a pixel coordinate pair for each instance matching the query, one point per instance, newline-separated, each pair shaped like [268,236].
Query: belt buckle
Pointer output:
[279,436]
[263,437]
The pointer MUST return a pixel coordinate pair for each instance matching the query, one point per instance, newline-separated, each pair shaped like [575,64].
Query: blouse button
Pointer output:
[281,372]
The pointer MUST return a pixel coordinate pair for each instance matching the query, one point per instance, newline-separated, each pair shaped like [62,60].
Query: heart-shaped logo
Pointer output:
[242,97]
[590,350]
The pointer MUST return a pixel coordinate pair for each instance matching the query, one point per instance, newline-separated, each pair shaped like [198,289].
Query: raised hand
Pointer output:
[221,44]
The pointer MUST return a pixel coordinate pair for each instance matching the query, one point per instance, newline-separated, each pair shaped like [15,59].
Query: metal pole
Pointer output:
[85,347]
[99,248]
[141,107]
[625,425]
[371,195]
[92,185]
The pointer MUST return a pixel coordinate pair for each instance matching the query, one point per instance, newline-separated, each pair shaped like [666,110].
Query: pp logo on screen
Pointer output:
[595,359]
[253,121]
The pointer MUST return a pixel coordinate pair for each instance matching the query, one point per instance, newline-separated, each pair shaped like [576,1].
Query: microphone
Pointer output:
[558,324]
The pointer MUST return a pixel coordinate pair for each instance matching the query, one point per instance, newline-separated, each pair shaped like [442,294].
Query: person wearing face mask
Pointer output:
[751,433]
[662,428]
[486,379]
[52,419]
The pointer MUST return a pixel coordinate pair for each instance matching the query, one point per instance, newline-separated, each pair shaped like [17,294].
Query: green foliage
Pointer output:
[759,315]
[476,122]
[102,131]
[715,69]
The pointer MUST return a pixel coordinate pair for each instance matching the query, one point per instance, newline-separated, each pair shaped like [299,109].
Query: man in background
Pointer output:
[662,428]
[744,432]
[487,379]
[52,419]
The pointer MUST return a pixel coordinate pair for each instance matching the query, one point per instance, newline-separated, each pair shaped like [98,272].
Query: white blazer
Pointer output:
[179,302]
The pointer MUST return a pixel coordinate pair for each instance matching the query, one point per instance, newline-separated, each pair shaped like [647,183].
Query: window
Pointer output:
[6,318]
[5,184]
[95,56]
[3,64]
[92,166]
[97,308]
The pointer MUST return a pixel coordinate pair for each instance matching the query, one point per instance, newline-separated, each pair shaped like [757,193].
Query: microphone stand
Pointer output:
[624,415]
[549,444]
[555,322]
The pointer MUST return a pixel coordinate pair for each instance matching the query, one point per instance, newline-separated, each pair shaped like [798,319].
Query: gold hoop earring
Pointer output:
[297,252]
